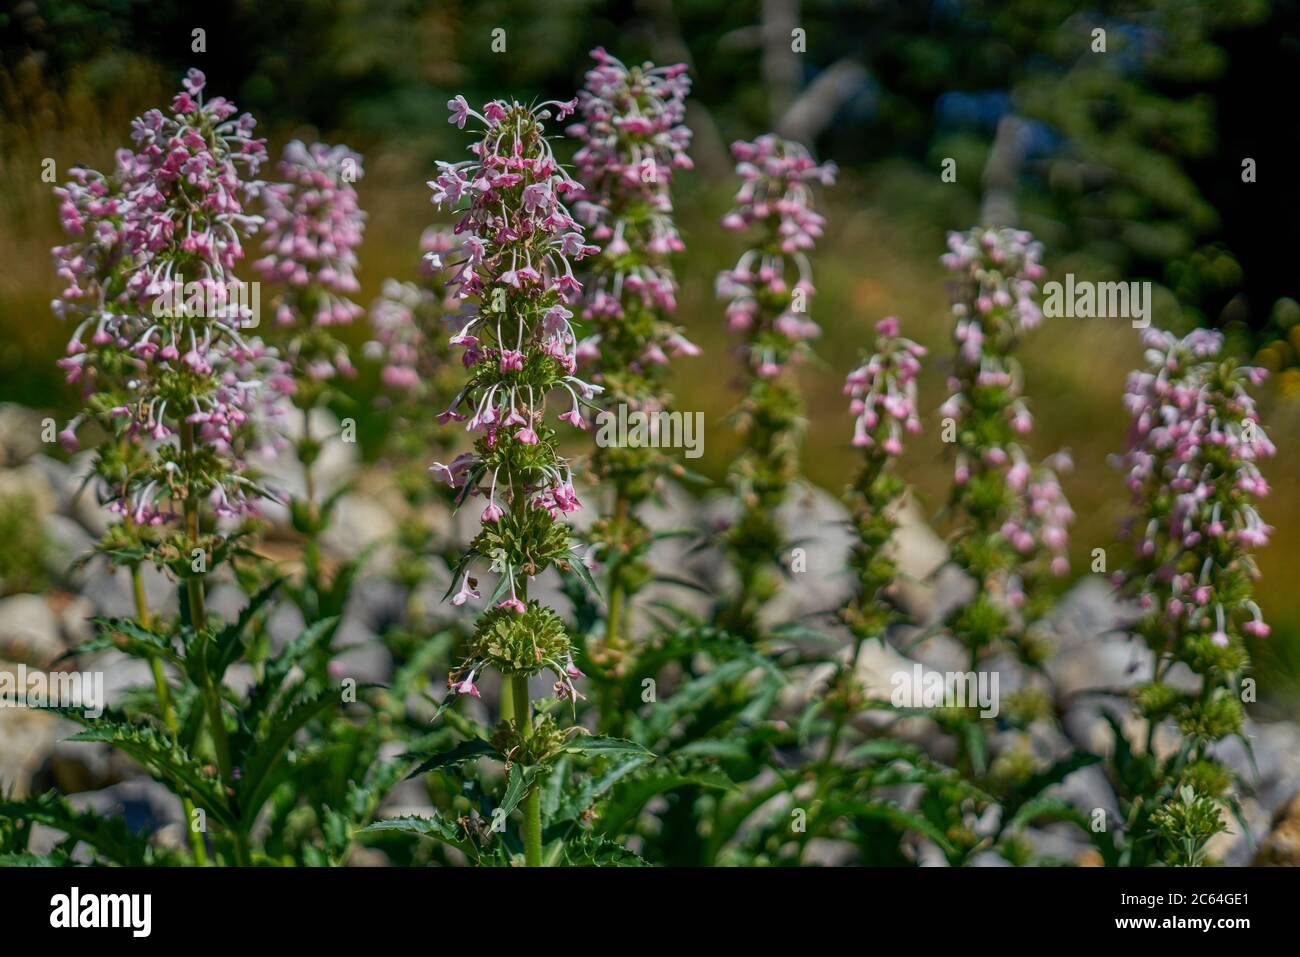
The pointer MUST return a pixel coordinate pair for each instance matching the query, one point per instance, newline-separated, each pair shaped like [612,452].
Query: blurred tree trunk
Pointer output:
[782,69]
[814,110]
[708,150]
[1001,171]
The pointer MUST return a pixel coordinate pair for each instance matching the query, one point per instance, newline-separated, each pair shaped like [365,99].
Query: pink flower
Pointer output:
[882,391]
[466,686]
[460,111]
[775,174]
[465,593]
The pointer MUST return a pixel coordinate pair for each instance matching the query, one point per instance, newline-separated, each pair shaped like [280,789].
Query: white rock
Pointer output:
[29,630]
[26,737]
[20,434]
[28,484]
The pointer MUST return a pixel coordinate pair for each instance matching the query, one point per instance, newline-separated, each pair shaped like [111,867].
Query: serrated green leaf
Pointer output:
[434,826]
[470,750]
[164,758]
[597,745]
[590,850]
[518,782]
[127,636]
[108,836]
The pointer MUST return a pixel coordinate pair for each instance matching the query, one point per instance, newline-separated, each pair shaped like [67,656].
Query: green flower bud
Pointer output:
[521,644]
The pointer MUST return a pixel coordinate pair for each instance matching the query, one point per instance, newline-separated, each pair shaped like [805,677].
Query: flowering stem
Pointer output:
[198,620]
[507,703]
[165,706]
[309,480]
[614,622]
[532,805]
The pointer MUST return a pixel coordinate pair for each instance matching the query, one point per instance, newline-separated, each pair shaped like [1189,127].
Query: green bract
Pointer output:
[520,644]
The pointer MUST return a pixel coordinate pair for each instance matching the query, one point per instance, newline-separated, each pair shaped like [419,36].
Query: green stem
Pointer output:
[507,701]
[165,707]
[613,623]
[613,620]
[532,804]
[199,620]
[309,479]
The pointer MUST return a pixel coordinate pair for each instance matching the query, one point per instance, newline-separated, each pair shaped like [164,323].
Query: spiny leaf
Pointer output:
[109,836]
[470,750]
[227,641]
[591,850]
[564,801]
[580,570]
[598,745]
[128,636]
[898,816]
[277,671]
[257,780]
[519,780]
[36,860]
[1048,808]
[629,799]
[166,760]
[434,826]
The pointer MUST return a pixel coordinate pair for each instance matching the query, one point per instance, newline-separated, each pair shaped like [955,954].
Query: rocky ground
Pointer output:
[44,494]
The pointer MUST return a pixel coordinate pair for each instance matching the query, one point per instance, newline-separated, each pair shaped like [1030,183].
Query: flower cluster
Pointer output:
[314,227]
[159,344]
[996,278]
[1192,456]
[1193,449]
[769,292]
[633,139]
[882,392]
[1013,514]
[408,318]
[1040,516]
[882,395]
[518,244]
[763,302]
[1008,501]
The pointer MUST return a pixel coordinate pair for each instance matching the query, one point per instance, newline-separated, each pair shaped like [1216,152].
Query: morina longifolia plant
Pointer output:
[882,397]
[165,369]
[1011,520]
[838,791]
[1193,445]
[408,320]
[519,243]
[633,139]
[313,228]
[181,391]
[768,293]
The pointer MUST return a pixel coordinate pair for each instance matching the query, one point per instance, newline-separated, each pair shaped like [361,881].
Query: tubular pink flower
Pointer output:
[774,195]
[151,282]
[1192,470]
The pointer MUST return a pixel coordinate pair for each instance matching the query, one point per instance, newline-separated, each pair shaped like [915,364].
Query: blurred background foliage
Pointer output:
[1128,164]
